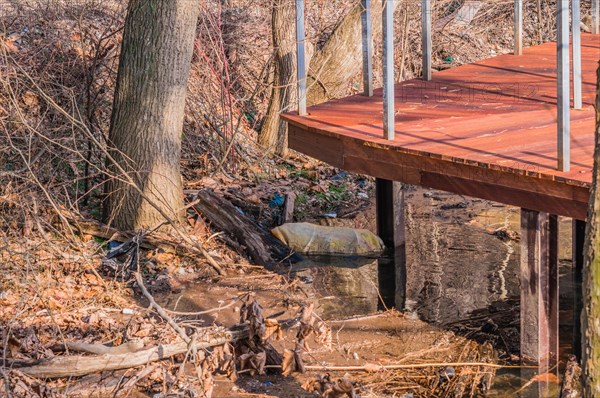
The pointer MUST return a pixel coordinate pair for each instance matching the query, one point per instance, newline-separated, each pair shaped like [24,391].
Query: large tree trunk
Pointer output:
[273,134]
[591,275]
[147,117]
[329,72]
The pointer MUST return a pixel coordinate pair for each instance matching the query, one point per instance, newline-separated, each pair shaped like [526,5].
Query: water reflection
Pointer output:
[347,285]
[455,267]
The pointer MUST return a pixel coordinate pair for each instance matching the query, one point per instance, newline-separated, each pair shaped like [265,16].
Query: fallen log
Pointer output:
[156,240]
[262,247]
[100,349]
[81,365]
[99,230]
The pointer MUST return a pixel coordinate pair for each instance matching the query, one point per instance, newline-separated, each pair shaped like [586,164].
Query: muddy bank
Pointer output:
[461,274]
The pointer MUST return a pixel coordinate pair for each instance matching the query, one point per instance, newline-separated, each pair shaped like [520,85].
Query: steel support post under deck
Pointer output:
[388,69]
[578,258]
[301,57]
[539,288]
[577,78]
[391,229]
[367,48]
[518,27]
[563,87]
[426,38]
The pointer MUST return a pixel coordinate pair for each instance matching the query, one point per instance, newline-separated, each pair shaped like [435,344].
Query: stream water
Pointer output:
[456,268]
[462,261]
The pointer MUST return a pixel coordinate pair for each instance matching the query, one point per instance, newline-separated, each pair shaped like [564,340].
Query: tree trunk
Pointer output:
[147,116]
[591,275]
[340,59]
[273,134]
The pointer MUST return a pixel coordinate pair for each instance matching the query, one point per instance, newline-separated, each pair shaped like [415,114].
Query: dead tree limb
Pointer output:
[80,365]
[261,245]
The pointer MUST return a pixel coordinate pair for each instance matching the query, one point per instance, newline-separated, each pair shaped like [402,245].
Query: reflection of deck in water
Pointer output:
[486,130]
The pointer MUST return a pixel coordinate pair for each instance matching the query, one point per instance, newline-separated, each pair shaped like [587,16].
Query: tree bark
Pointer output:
[591,274]
[148,110]
[273,134]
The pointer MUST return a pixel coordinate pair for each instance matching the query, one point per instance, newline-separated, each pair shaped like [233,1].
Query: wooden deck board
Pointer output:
[486,130]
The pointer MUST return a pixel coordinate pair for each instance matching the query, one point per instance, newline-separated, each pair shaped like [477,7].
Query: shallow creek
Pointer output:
[456,267]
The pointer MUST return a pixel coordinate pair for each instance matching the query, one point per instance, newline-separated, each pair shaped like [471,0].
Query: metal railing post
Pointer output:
[388,69]
[301,57]
[563,86]
[426,35]
[596,17]
[518,27]
[367,48]
[576,27]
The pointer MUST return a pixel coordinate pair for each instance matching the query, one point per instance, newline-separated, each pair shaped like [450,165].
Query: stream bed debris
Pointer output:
[156,350]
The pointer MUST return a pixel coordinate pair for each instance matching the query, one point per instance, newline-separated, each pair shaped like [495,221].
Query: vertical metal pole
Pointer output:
[518,27]
[563,87]
[576,26]
[426,34]
[301,57]
[596,17]
[388,69]
[367,48]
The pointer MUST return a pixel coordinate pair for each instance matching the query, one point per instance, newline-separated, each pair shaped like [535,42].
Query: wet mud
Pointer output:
[462,264]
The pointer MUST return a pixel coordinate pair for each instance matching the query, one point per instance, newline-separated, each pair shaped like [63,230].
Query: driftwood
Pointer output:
[262,247]
[100,349]
[95,228]
[80,365]
[99,230]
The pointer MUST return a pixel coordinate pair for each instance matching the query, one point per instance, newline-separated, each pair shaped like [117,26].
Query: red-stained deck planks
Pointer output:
[486,130]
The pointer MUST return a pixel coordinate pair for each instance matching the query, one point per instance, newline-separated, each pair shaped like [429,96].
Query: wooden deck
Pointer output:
[486,130]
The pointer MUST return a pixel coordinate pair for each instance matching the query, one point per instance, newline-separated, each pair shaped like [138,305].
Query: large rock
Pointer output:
[316,239]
